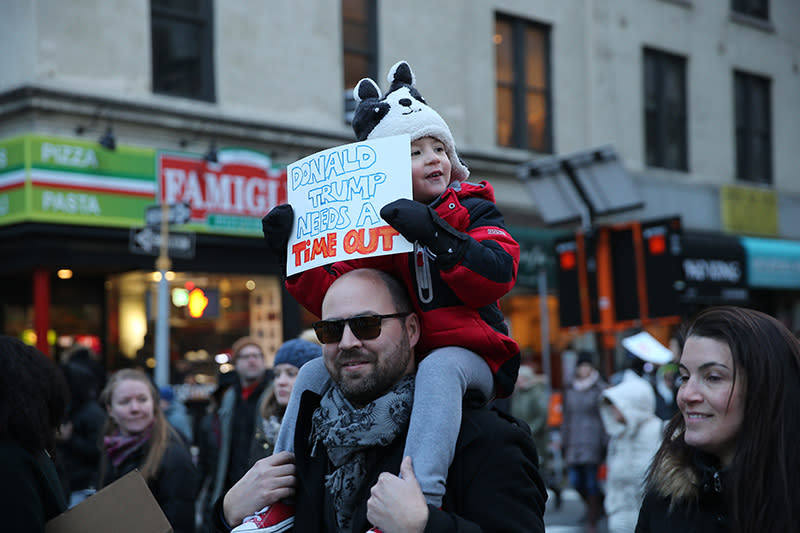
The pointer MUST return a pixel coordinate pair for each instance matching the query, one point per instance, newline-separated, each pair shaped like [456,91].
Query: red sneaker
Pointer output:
[276,518]
[374,530]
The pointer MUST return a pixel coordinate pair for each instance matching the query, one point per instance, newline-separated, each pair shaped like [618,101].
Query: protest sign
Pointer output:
[647,348]
[337,195]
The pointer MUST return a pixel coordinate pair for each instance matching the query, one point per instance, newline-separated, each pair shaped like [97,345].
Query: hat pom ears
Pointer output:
[366,89]
[400,74]
[370,110]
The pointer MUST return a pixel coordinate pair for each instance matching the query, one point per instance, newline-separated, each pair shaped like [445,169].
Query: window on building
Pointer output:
[752,8]
[360,47]
[522,51]
[753,128]
[183,50]
[665,110]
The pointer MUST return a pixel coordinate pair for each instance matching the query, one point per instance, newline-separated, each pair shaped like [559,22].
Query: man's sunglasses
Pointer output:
[364,327]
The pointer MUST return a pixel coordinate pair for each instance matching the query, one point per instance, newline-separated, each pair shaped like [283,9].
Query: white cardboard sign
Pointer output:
[337,195]
[646,347]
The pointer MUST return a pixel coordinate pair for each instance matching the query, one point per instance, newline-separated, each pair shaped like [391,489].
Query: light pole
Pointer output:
[540,261]
[163,265]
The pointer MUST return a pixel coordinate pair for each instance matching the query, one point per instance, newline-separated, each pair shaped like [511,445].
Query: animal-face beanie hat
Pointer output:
[402,110]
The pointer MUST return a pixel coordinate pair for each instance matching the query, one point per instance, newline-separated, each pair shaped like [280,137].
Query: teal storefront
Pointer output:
[773,276]
[772,263]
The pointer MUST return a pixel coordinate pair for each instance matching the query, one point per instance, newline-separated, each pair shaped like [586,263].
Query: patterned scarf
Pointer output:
[119,447]
[348,433]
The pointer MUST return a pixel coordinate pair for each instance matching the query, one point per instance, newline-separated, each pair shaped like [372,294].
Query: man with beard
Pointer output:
[349,439]
[237,416]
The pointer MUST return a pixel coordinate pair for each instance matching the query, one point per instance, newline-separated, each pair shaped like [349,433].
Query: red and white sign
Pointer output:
[243,183]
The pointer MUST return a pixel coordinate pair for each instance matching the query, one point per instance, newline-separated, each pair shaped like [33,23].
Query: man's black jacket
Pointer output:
[493,484]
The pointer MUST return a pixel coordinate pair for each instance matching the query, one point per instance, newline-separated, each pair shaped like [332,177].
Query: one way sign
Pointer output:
[147,241]
[179,213]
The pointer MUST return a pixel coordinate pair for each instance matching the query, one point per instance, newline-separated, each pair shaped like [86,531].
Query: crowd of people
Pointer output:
[388,419]
[62,439]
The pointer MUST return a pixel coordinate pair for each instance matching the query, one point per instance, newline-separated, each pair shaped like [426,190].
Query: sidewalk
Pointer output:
[567,518]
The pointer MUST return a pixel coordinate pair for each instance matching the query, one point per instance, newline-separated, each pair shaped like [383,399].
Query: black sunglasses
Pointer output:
[364,327]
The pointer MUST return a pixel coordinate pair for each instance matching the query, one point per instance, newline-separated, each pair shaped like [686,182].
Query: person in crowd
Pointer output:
[730,461]
[583,437]
[664,386]
[666,407]
[464,260]
[137,436]
[628,414]
[289,359]
[237,414]
[349,441]
[208,438]
[666,377]
[78,454]
[33,396]
[529,403]
[83,355]
[655,367]
[176,413]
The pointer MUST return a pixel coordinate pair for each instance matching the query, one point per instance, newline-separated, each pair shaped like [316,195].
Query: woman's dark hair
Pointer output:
[763,487]
[33,396]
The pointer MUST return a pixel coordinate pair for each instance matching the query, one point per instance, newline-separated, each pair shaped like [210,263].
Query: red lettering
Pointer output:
[387,233]
[248,187]
[300,248]
[310,249]
[354,240]
[325,246]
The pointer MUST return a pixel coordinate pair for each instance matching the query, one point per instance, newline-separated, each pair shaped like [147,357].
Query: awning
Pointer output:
[714,269]
[772,263]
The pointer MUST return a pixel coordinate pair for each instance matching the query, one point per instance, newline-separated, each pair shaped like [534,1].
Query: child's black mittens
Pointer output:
[277,226]
[420,223]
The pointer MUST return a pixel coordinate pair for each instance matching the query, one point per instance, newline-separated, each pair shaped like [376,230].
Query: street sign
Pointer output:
[179,213]
[147,241]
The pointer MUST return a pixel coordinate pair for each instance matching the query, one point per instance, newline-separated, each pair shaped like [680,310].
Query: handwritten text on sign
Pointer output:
[337,195]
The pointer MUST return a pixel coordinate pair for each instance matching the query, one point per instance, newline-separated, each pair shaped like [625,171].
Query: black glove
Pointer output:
[277,226]
[419,222]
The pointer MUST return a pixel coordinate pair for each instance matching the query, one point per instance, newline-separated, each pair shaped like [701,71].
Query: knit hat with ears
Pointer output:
[402,110]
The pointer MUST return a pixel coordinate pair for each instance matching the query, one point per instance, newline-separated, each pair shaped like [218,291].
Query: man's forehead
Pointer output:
[250,349]
[356,294]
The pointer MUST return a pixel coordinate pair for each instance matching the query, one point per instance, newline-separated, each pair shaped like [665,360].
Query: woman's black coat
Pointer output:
[174,485]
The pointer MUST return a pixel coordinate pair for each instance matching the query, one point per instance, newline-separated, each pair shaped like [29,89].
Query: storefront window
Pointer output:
[207,313]
[75,313]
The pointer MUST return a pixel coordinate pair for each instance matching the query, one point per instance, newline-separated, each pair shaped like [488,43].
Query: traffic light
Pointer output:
[619,274]
[577,280]
[569,293]
[662,251]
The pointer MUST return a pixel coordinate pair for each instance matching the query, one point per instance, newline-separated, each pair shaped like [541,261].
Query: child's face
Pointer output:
[430,169]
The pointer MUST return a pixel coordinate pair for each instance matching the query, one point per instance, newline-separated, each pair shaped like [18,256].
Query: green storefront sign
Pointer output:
[66,181]
[71,181]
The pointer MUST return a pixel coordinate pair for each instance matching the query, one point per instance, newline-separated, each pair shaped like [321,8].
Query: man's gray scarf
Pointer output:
[348,433]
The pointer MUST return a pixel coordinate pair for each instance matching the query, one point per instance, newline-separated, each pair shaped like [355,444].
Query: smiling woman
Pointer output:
[710,398]
[138,436]
[729,459]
